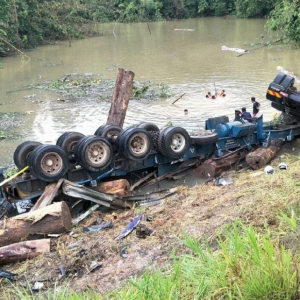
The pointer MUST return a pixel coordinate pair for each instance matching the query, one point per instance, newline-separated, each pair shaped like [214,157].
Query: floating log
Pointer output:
[114,187]
[23,250]
[48,195]
[55,218]
[120,99]
[261,156]
[214,167]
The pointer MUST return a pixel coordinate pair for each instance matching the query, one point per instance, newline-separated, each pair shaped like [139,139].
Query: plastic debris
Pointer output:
[123,251]
[283,166]
[95,265]
[224,181]
[99,227]
[7,274]
[37,286]
[269,170]
[129,228]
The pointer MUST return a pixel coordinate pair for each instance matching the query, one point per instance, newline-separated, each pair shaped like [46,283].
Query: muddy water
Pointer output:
[189,61]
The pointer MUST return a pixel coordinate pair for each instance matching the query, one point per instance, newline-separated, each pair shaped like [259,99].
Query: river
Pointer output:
[189,61]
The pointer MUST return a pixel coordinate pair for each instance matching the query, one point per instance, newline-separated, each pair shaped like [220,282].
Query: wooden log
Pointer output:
[120,99]
[261,156]
[54,218]
[115,187]
[214,167]
[48,195]
[23,250]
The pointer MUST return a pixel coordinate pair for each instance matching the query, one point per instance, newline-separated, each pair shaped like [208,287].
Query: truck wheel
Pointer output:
[48,163]
[150,127]
[204,139]
[22,152]
[68,141]
[173,142]
[135,143]
[109,132]
[94,153]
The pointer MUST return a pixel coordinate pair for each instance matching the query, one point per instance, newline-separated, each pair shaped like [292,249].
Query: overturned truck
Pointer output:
[113,152]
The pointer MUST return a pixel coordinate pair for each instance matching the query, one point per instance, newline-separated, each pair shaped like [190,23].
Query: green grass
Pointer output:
[245,264]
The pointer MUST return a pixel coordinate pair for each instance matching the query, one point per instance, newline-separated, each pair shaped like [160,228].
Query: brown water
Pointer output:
[189,61]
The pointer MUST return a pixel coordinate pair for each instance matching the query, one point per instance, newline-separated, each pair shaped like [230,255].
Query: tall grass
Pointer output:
[247,265]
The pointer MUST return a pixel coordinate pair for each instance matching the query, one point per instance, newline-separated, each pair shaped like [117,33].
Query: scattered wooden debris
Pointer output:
[48,195]
[261,156]
[23,250]
[54,218]
[116,187]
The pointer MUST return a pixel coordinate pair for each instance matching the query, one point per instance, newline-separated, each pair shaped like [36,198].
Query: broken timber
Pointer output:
[261,156]
[55,218]
[214,167]
[120,99]
[114,187]
[23,250]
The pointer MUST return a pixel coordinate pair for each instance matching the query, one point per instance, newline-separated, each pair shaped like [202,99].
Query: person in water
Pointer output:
[222,94]
[186,112]
[208,95]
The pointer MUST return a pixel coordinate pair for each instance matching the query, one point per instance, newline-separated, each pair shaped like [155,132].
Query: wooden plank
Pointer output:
[48,195]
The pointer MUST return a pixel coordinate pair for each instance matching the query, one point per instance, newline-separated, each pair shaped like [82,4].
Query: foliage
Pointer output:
[253,8]
[28,23]
[285,19]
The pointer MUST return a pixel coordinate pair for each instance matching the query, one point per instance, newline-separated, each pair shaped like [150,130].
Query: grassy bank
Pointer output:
[231,242]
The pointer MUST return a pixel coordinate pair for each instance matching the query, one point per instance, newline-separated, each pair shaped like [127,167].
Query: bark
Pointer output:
[214,167]
[115,187]
[120,99]
[261,156]
[23,250]
[55,218]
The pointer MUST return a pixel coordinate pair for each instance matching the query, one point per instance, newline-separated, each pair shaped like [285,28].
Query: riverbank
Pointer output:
[268,203]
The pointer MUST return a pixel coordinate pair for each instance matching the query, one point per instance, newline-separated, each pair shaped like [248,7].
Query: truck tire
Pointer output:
[94,153]
[204,139]
[173,142]
[48,163]
[109,132]
[68,141]
[135,143]
[22,152]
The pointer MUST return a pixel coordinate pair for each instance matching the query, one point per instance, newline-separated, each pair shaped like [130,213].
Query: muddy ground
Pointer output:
[201,212]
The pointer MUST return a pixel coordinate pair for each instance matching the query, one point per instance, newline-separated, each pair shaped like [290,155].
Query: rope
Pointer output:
[14,176]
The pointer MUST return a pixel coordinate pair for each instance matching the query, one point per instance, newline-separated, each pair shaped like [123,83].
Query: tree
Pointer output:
[285,19]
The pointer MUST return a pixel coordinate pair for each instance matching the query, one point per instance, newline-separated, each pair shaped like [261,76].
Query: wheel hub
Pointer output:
[51,163]
[138,144]
[97,154]
[178,142]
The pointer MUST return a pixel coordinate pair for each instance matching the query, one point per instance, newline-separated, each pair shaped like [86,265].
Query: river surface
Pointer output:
[189,61]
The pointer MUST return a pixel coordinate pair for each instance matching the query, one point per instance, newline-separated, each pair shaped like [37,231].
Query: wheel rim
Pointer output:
[51,163]
[178,142]
[97,154]
[71,147]
[138,144]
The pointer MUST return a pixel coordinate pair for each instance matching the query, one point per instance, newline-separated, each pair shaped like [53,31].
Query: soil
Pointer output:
[201,212]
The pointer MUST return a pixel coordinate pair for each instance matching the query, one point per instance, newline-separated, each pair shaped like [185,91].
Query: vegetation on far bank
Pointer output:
[233,242]
[28,23]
